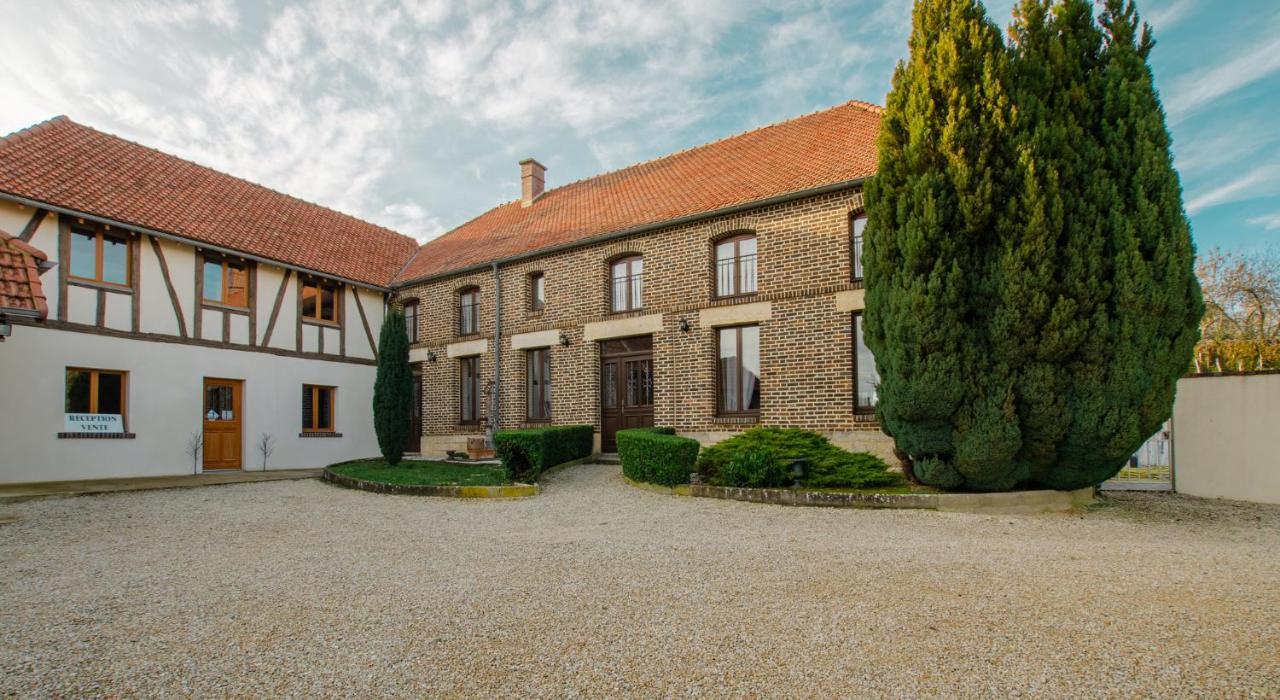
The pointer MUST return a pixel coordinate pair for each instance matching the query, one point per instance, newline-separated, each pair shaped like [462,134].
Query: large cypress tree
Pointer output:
[392,388]
[934,209]
[1064,344]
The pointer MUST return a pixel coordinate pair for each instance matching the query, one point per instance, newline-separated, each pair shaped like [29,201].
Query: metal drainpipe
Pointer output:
[495,422]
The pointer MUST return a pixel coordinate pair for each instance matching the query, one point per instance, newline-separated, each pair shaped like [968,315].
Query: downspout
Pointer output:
[495,404]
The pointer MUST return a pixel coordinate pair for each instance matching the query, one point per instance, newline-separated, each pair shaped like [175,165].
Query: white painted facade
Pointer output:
[166,369]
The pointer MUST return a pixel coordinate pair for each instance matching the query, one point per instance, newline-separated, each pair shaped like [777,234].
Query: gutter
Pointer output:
[184,240]
[643,228]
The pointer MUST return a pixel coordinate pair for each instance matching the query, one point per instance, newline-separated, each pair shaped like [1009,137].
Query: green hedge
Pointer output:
[761,457]
[657,455]
[525,454]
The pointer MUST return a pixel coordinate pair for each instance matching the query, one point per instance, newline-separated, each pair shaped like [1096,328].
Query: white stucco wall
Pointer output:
[165,403]
[1225,438]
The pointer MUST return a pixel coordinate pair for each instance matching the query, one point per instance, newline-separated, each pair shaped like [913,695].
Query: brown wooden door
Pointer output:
[223,436]
[626,388]
[413,443]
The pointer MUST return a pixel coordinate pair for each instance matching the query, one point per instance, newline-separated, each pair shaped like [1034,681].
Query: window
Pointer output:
[95,401]
[226,282]
[857,226]
[469,311]
[97,256]
[411,319]
[538,384]
[317,408]
[319,300]
[866,380]
[469,390]
[736,266]
[627,276]
[537,291]
[739,370]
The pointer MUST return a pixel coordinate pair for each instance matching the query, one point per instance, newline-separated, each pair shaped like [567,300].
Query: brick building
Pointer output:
[709,290]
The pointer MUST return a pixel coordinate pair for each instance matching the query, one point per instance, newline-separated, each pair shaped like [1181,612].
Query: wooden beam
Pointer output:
[29,230]
[226,327]
[340,304]
[168,284]
[135,280]
[373,346]
[100,317]
[253,302]
[297,331]
[198,321]
[275,308]
[64,264]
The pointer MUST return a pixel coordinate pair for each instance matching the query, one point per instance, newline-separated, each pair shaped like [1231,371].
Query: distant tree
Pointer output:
[1030,296]
[1241,325]
[266,447]
[392,388]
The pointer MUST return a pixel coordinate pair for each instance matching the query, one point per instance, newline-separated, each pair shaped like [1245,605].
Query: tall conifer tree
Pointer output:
[392,388]
[1030,294]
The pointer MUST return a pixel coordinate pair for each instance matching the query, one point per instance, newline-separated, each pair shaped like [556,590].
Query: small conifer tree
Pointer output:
[392,388]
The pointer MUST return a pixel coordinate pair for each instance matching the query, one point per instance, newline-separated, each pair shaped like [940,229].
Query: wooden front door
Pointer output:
[223,437]
[413,442]
[626,387]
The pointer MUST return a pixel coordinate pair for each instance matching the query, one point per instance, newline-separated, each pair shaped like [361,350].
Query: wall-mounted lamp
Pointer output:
[684,325]
[431,356]
[6,328]
[564,340]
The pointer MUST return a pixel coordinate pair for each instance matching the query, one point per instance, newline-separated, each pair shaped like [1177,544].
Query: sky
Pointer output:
[415,114]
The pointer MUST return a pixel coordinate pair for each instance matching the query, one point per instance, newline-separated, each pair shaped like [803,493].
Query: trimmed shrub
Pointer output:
[827,466]
[657,455]
[757,468]
[525,454]
[392,389]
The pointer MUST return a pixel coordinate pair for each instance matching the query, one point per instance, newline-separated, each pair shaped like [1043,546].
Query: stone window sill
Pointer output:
[736,420]
[309,434]
[97,436]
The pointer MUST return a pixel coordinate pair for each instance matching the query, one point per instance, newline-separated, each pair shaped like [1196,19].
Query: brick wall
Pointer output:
[806,344]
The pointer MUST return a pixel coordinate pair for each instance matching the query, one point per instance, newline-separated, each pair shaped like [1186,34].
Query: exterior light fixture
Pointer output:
[6,328]
[431,356]
[684,325]
[564,340]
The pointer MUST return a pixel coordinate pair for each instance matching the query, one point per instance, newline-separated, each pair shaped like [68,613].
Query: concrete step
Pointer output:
[608,458]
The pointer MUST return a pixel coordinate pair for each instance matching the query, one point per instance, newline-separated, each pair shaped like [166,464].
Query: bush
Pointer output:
[525,454]
[657,455]
[757,468]
[827,466]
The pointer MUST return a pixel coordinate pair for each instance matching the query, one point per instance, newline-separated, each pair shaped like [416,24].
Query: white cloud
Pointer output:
[410,219]
[1270,222]
[1197,89]
[1261,181]
[1166,16]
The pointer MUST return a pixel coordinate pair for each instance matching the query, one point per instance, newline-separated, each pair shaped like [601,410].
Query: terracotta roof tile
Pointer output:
[65,164]
[20,288]
[824,148]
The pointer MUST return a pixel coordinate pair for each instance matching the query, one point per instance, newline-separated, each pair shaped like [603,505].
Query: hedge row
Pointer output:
[657,455]
[525,454]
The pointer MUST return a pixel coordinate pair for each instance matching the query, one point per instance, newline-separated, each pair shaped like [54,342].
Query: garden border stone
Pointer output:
[507,491]
[1009,502]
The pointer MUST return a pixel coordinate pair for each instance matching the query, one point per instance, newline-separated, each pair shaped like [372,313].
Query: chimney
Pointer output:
[532,176]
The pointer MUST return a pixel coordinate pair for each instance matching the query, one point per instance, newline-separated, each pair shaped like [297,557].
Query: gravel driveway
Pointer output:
[596,588]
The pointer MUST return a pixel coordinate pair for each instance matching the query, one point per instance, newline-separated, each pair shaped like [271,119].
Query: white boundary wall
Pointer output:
[1226,437]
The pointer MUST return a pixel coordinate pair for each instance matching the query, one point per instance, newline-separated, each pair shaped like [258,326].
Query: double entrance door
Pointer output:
[626,387]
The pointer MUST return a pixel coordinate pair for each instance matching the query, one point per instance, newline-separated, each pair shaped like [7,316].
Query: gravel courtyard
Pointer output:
[597,589]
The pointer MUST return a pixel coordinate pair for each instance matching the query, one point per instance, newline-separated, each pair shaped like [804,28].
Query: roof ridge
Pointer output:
[866,106]
[221,173]
[36,128]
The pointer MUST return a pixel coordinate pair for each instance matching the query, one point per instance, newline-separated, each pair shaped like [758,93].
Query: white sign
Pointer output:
[94,423]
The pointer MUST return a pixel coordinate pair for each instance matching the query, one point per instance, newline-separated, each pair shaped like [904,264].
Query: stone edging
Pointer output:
[680,490]
[1014,502]
[508,491]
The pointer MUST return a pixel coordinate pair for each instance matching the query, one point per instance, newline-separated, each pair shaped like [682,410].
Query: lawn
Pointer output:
[423,473]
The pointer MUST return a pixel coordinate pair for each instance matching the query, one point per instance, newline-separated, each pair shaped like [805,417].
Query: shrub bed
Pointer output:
[657,455]
[762,458]
[526,453]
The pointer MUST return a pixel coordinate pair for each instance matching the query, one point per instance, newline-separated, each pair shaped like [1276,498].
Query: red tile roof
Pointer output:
[20,288]
[824,148]
[65,164]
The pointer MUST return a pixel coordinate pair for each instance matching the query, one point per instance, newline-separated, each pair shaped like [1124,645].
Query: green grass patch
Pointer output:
[417,473]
